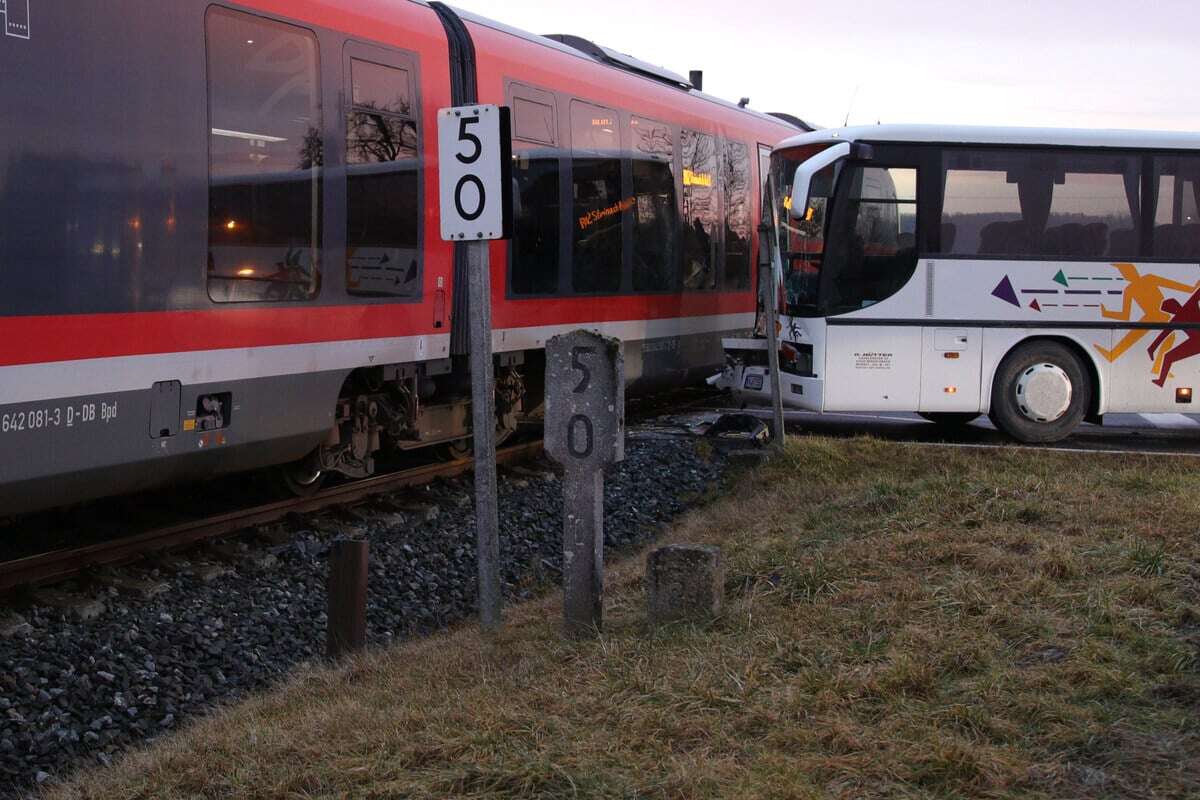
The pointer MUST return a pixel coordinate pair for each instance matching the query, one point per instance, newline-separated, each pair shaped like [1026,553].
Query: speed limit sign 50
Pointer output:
[475,162]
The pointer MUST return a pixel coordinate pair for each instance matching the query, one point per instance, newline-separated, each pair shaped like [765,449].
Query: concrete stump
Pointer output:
[748,459]
[684,582]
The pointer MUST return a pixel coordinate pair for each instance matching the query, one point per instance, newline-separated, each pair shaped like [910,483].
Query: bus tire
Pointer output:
[1040,393]
[949,419]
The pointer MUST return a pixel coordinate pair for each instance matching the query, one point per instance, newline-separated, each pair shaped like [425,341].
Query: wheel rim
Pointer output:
[306,472]
[1043,393]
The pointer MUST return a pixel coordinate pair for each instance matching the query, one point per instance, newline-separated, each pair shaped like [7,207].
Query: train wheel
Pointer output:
[302,478]
[1041,393]
[949,419]
[458,450]
[462,449]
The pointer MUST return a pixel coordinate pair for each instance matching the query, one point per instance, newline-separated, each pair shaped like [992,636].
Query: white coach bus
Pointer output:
[1042,277]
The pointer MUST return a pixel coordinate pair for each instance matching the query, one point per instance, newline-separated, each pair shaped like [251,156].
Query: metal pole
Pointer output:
[768,281]
[583,550]
[483,409]
[347,612]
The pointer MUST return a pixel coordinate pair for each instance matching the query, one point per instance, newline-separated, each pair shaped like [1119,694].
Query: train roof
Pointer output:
[982,134]
[593,53]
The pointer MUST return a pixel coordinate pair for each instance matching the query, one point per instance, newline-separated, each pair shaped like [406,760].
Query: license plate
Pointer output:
[754,382]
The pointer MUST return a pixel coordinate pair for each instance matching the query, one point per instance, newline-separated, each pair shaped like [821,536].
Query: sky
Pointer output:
[1060,63]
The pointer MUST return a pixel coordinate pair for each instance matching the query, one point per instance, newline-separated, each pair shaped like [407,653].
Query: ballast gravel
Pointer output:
[74,693]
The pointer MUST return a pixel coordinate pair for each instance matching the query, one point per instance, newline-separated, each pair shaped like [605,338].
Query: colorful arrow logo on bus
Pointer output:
[1072,298]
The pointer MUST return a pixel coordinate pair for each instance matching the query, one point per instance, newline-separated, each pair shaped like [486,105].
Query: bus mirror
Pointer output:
[804,176]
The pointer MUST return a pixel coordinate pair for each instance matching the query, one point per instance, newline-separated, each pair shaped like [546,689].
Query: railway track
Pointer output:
[68,561]
[63,563]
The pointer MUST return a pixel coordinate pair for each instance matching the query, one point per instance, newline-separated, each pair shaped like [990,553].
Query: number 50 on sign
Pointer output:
[475,165]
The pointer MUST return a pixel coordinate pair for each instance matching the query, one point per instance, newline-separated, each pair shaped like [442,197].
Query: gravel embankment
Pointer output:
[73,693]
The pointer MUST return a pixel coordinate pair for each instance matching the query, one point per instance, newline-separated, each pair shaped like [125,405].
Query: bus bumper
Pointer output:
[750,382]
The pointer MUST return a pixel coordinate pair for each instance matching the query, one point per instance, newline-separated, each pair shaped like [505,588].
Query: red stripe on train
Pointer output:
[47,339]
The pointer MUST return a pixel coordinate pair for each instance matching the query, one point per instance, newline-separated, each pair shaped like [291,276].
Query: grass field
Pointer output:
[903,621]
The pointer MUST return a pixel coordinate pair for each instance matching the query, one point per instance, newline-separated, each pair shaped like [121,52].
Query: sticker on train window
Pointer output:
[754,382]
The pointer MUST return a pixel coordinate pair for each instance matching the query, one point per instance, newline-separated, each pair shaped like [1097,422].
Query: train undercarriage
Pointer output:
[404,407]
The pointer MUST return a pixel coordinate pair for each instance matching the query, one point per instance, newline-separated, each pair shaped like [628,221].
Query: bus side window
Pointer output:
[535,247]
[1177,208]
[1044,204]
[873,250]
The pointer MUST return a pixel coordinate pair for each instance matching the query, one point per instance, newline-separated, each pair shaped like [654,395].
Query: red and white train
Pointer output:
[219,241]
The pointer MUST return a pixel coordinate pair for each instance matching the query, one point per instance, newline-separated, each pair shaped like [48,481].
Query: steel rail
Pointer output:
[58,565]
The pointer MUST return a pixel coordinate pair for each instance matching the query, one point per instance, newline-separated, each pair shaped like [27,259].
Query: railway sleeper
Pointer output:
[142,586]
[82,607]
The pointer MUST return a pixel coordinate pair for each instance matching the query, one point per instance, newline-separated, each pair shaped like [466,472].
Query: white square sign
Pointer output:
[475,165]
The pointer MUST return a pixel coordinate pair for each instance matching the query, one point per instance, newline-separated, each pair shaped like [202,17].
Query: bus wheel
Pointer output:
[948,419]
[1041,393]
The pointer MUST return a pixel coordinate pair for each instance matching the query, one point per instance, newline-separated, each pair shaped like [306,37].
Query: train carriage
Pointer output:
[219,246]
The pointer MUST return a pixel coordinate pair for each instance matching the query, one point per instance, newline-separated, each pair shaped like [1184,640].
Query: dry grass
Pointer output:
[904,622]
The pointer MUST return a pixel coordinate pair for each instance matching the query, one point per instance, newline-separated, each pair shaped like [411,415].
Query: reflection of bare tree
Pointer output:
[654,140]
[376,137]
[737,183]
[312,150]
[700,188]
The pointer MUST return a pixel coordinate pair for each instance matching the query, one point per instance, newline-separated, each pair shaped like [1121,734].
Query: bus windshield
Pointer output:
[801,242]
[855,244]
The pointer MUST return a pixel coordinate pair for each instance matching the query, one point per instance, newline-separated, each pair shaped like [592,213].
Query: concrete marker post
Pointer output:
[585,432]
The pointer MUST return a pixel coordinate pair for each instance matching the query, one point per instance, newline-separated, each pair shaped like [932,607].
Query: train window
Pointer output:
[265,159]
[737,215]
[534,121]
[376,87]
[701,215]
[535,220]
[598,204]
[537,209]
[655,214]
[382,188]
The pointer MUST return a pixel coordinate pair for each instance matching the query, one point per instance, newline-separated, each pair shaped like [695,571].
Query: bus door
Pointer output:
[869,295]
